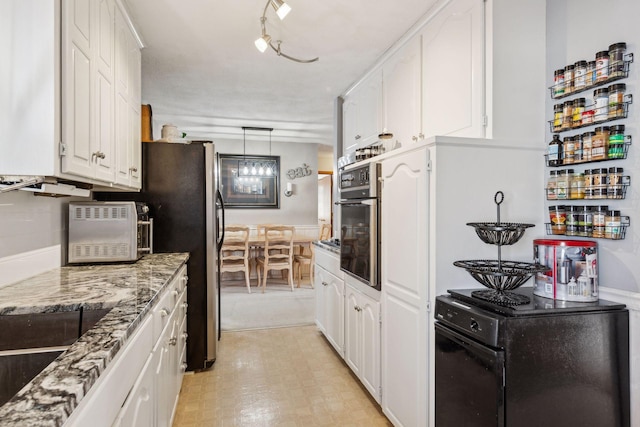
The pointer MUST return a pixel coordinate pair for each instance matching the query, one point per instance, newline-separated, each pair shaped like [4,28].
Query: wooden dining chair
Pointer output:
[277,253]
[325,232]
[234,254]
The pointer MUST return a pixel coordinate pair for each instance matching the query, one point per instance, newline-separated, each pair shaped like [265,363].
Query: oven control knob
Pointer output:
[474,326]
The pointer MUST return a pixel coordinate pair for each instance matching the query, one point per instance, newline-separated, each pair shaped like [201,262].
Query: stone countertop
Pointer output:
[328,247]
[129,290]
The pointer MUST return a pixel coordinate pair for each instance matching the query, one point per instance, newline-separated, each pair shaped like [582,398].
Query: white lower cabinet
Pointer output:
[329,288]
[141,386]
[362,338]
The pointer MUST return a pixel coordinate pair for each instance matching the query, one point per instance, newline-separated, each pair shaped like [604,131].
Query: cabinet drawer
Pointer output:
[329,261]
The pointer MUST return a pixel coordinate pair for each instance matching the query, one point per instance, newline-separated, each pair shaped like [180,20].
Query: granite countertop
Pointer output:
[130,290]
[330,246]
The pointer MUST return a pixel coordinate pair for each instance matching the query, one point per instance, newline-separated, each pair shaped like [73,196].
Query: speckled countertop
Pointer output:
[328,247]
[130,290]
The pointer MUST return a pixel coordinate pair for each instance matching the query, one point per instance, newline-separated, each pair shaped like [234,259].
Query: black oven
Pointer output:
[360,218]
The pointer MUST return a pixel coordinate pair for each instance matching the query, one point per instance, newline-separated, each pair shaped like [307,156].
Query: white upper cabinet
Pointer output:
[453,71]
[61,101]
[88,88]
[402,83]
[362,112]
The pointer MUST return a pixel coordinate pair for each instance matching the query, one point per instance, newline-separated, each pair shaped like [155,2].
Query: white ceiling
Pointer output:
[202,72]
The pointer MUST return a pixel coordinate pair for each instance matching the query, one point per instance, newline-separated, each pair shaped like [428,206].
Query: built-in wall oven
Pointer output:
[360,223]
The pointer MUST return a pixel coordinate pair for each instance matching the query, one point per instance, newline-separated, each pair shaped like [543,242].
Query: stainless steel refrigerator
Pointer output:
[180,187]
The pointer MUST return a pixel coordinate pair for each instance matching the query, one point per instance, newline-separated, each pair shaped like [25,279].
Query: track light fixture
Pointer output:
[264,41]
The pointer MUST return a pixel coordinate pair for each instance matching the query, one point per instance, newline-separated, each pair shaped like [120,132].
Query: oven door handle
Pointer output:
[369,202]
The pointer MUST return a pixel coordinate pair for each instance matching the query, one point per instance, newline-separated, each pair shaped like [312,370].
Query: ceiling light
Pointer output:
[281,8]
[263,42]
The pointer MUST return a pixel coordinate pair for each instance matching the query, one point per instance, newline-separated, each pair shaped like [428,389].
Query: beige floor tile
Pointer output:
[285,377]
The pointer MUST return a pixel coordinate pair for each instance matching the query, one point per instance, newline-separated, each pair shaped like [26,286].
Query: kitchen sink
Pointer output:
[30,342]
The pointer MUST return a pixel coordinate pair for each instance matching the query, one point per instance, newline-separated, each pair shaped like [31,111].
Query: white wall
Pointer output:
[299,209]
[577,29]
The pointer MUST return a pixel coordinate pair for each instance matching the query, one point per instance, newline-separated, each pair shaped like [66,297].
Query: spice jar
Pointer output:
[571,221]
[616,100]
[614,183]
[613,225]
[588,184]
[587,117]
[554,151]
[558,83]
[587,145]
[551,185]
[567,114]
[598,215]
[557,117]
[558,217]
[578,109]
[568,150]
[601,101]
[577,149]
[585,221]
[616,142]
[602,66]
[576,186]
[562,184]
[599,183]
[579,75]
[568,78]
[591,73]
[616,59]
[600,143]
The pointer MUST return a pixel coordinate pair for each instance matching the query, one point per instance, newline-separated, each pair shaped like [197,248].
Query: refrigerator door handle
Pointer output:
[220,233]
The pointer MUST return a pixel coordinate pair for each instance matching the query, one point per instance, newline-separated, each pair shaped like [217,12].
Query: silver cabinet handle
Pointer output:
[164,312]
[173,340]
[357,308]
[185,305]
[133,169]
[183,367]
[185,335]
[175,293]
[358,137]
[421,135]
[325,284]
[100,154]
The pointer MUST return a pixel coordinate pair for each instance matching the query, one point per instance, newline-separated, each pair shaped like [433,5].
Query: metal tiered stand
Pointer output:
[498,275]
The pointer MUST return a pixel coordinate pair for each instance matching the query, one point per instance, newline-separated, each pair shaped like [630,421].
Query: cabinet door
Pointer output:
[404,295]
[334,312]
[352,325]
[401,82]
[139,408]
[78,39]
[319,284]
[369,109]
[163,374]
[453,71]
[349,126]
[370,345]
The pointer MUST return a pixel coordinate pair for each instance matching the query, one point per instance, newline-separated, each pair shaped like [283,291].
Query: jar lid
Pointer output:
[602,54]
[553,173]
[558,72]
[570,66]
[586,134]
[567,138]
[616,170]
[569,171]
[582,62]
[562,172]
[617,86]
[616,128]
[579,101]
[601,91]
[572,208]
[620,45]
[613,213]
[557,107]
[559,208]
[601,208]
[599,170]
[602,129]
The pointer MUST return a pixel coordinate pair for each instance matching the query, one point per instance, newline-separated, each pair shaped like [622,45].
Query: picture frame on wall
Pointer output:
[249,181]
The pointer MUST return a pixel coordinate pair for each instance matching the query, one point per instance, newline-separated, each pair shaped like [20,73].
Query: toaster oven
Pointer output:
[109,232]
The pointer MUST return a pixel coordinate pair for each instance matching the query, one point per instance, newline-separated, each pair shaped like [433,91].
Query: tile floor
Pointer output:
[289,377]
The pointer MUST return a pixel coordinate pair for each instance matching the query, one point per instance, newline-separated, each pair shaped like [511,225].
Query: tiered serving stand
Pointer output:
[500,276]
